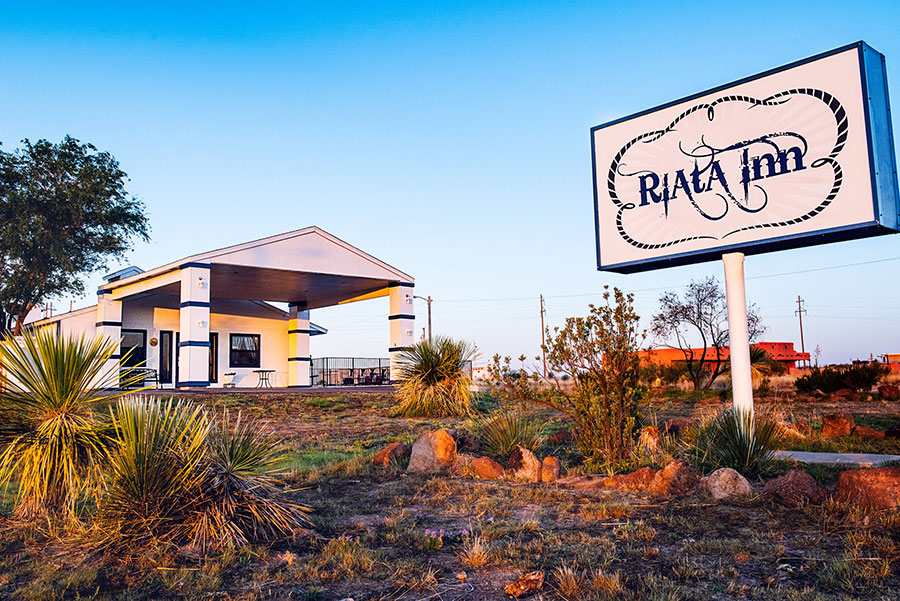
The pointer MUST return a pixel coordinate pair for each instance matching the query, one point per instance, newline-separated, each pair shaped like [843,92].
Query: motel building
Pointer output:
[208,320]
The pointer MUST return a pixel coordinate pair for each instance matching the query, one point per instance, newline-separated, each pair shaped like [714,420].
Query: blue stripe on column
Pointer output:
[115,356]
[194,304]
[300,359]
[195,264]
[299,331]
[193,343]
[108,323]
[401,316]
[401,285]
[297,304]
[394,349]
[104,291]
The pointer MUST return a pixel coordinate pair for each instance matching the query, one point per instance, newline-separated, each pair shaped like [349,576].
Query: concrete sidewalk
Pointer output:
[842,459]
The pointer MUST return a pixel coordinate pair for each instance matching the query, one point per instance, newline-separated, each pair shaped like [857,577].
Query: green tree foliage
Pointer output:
[599,353]
[54,445]
[435,378]
[700,316]
[64,211]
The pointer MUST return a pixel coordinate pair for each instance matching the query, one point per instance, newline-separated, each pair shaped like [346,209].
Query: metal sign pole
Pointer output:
[741,378]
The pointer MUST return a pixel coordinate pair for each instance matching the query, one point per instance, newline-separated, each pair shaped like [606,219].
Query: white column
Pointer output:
[109,324]
[299,360]
[402,322]
[741,377]
[193,346]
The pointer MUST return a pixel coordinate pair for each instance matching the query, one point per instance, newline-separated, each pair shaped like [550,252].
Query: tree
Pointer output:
[700,315]
[599,352]
[64,211]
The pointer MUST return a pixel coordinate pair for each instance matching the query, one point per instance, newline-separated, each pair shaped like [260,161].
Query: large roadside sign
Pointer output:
[796,156]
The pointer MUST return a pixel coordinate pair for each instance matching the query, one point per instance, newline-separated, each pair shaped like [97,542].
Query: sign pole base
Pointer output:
[741,377]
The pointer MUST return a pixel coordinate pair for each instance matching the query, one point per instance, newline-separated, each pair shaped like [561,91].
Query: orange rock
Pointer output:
[837,424]
[486,468]
[550,469]
[865,432]
[889,392]
[393,452]
[874,487]
[636,480]
[527,584]
[433,452]
[523,465]
[794,489]
[677,478]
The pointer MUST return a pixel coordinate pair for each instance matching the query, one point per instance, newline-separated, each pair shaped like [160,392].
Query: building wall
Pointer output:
[270,324]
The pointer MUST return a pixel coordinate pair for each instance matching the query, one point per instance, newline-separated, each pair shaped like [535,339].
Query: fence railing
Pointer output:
[350,371]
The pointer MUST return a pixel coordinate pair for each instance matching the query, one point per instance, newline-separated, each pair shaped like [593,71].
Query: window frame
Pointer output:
[231,350]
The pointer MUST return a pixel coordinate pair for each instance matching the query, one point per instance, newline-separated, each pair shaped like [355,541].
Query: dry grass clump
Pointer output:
[607,583]
[475,552]
[568,581]
[435,379]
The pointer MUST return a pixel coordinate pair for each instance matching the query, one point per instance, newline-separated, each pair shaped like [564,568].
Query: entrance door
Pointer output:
[166,354]
[134,349]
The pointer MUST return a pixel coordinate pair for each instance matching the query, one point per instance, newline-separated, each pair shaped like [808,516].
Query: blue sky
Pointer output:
[451,141]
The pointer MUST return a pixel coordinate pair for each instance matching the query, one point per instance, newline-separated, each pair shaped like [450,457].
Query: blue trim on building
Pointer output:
[299,331]
[193,343]
[104,291]
[307,359]
[401,316]
[194,304]
[115,356]
[401,285]
[300,386]
[195,264]
[194,383]
[108,323]
[299,304]
[395,349]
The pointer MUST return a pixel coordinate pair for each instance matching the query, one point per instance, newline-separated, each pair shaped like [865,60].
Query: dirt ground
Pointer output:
[370,524]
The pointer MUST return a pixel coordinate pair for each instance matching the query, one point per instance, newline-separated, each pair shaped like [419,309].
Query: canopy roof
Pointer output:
[308,266]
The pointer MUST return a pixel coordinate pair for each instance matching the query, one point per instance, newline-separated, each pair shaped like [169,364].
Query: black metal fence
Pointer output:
[350,371]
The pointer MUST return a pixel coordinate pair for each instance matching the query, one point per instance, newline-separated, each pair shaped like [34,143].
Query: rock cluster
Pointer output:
[874,487]
[842,424]
[394,452]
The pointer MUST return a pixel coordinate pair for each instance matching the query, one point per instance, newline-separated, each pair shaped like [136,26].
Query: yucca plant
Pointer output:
[155,474]
[435,378]
[239,502]
[737,439]
[503,431]
[54,446]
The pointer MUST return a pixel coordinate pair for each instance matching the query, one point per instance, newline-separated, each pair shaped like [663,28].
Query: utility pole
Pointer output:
[800,311]
[428,300]
[543,339]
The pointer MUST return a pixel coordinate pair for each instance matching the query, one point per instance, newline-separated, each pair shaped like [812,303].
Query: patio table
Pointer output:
[263,377]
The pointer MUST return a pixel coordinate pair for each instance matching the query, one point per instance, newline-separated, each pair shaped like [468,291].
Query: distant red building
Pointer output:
[783,352]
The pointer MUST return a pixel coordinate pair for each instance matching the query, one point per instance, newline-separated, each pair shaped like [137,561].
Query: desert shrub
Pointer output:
[435,379]
[857,377]
[509,385]
[54,444]
[741,440]
[504,430]
[599,352]
[178,477]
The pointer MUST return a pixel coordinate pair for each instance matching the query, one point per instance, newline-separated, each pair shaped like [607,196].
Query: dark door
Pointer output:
[213,356]
[134,348]
[166,355]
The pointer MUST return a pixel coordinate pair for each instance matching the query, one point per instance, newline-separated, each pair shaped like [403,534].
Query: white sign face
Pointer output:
[774,159]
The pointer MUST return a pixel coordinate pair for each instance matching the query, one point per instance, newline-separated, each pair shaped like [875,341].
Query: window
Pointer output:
[213,356]
[244,350]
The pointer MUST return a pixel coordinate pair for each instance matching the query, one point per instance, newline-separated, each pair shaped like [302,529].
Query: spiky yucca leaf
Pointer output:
[239,502]
[54,444]
[737,439]
[155,475]
[435,381]
[505,430]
